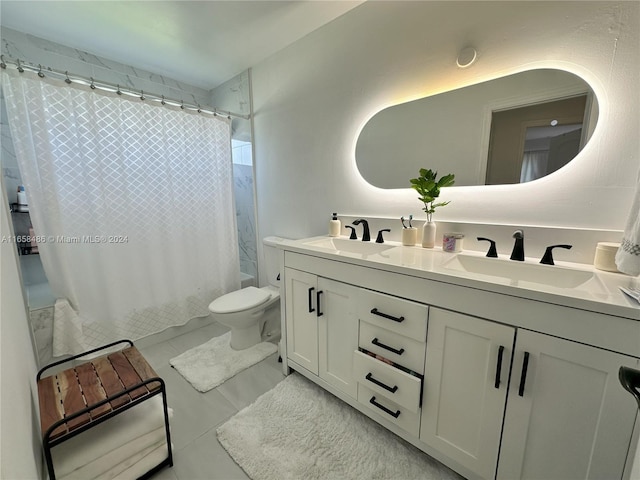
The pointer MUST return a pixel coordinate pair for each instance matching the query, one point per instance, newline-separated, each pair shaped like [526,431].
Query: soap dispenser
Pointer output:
[334,226]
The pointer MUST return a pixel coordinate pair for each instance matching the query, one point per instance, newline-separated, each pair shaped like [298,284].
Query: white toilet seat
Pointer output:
[240,300]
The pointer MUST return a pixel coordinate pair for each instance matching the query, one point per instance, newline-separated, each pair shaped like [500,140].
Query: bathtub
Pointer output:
[247,280]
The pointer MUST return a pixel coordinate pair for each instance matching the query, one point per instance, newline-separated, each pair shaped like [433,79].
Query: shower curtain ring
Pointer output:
[40,74]
[2,64]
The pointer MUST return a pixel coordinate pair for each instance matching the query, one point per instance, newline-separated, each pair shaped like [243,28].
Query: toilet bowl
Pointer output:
[253,314]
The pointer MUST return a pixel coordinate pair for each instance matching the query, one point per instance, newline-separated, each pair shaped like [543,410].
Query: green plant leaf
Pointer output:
[446,181]
[428,187]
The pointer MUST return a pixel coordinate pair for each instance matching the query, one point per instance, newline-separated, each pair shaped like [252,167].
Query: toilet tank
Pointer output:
[272,259]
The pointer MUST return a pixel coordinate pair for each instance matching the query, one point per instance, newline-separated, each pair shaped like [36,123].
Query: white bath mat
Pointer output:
[208,365]
[299,431]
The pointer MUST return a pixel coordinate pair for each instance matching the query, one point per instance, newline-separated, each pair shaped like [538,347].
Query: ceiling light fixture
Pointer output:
[466,57]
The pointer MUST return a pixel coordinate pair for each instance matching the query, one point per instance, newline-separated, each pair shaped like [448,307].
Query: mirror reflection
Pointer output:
[509,130]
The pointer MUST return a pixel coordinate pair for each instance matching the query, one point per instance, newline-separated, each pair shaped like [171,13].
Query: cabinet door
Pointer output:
[338,334]
[465,388]
[567,415]
[301,319]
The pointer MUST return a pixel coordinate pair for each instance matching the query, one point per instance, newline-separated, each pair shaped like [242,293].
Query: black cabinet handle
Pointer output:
[319,313]
[499,366]
[393,389]
[523,375]
[387,347]
[311,309]
[630,380]
[387,316]
[395,414]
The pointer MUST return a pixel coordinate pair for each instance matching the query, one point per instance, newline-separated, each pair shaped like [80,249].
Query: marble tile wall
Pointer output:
[10,172]
[245,217]
[42,326]
[35,50]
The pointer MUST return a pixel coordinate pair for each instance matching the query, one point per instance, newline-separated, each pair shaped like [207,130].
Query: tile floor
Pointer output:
[197,454]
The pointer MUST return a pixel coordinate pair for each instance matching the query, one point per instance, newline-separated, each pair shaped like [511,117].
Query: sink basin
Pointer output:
[342,245]
[550,275]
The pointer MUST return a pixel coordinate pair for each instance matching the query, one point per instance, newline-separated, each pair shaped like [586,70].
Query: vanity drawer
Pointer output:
[388,381]
[399,349]
[400,315]
[391,411]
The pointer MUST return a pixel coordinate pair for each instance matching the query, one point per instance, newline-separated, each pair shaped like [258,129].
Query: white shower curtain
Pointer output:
[132,204]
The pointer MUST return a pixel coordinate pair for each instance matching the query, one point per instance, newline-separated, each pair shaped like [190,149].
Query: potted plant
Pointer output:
[428,186]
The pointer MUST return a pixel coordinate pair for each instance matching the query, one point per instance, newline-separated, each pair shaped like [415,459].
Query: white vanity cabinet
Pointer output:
[567,416]
[495,382]
[465,388]
[322,327]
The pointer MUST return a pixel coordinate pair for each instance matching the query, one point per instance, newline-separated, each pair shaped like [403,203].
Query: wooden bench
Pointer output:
[86,395]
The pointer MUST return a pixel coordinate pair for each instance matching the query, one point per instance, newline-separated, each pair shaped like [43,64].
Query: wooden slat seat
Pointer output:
[67,392]
[87,395]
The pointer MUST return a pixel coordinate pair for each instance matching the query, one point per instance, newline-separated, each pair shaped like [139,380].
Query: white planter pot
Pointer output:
[429,234]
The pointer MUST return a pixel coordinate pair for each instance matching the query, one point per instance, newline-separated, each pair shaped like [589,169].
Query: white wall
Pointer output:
[19,434]
[312,99]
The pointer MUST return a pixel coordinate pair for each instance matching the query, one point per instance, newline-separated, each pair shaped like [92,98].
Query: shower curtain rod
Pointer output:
[115,88]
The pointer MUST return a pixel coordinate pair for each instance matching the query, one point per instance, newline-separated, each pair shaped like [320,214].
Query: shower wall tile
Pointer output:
[233,96]
[245,217]
[38,51]
[42,326]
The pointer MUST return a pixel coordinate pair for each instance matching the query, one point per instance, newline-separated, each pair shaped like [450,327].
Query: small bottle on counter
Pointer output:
[21,200]
[334,226]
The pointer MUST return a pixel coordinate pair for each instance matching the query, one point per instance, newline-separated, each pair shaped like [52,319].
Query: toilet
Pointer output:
[253,314]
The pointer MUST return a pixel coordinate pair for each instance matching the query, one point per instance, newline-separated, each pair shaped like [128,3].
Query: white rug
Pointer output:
[208,365]
[299,431]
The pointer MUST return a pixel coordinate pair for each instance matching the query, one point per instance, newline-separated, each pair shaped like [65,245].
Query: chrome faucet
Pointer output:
[518,247]
[366,236]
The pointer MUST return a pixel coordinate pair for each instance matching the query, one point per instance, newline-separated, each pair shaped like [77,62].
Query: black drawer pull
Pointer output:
[319,313]
[395,414]
[387,347]
[523,375]
[393,389]
[388,317]
[311,309]
[499,366]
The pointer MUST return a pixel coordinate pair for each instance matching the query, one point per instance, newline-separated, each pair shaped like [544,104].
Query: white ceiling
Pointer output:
[202,43]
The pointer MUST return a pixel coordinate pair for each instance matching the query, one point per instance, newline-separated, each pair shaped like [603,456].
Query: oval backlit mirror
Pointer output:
[508,130]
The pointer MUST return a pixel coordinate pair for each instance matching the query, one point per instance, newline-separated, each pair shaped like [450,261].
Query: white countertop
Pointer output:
[599,294]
